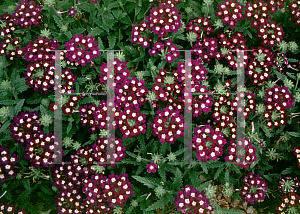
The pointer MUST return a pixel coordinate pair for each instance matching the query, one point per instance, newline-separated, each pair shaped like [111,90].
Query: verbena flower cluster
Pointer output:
[255,188]
[81,50]
[208,143]
[168,125]
[39,147]
[27,13]
[190,200]
[10,208]
[7,163]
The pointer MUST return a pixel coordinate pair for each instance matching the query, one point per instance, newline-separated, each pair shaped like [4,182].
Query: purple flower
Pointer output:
[72,11]
[151,168]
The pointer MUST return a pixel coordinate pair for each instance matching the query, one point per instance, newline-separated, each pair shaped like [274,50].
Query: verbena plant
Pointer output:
[150,174]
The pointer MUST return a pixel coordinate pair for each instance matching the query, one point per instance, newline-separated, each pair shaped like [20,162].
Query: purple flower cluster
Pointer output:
[94,116]
[39,146]
[258,13]
[130,122]
[230,12]
[27,14]
[260,64]
[254,189]
[7,163]
[9,25]
[168,125]
[232,42]
[10,208]
[295,10]
[120,70]
[169,46]
[288,185]
[207,49]
[289,204]
[139,34]
[296,151]
[11,54]
[189,200]
[199,25]
[247,152]
[169,89]
[151,168]
[249,103]
[279,94]
[130,93]
[81,190]
[81,50]
[270,34]
[208,143]
[164,19]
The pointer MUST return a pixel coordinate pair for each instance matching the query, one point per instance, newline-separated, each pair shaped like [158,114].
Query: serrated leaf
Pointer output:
[86,6]
[149,132]
[100,44]
[266,131]
[68,34]
[142,141]
[294,134]
[69,127]
[204,167]
[203,186]
[46,189]
[287,171]
[145,181]
[217,174]
[162,171]
[178,179]
[7,102]
[293,60]
[58,21]
[26,183]
[281,76]
[77,31]
[131,154]
[140,169]
[291,76]
[19,106]
[96,31]
[158,204]
[43,110]
[179,152]
[227,176]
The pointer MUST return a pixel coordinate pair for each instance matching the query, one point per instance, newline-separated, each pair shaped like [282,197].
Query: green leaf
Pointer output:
[145,181]
[78,31]
[43,110]
[142,142]
[69,127]
[217,174]
[291,76]
[68,34]
[46,189]
[293,60]
[112,41]
[203,186]
[149,132]
[19,106]
[162,171]
[86,6]
[294,134]
[26,183]
[131,154]
[227,176]
[287,171]
[266,131]
[158,204]
[58,21]
[7,102]
[204,167]
[179,152]
[96,31]
[137,10]
[100,44]
[178,179]
[140,169]
[24,195]
[281,76]
[20,85]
